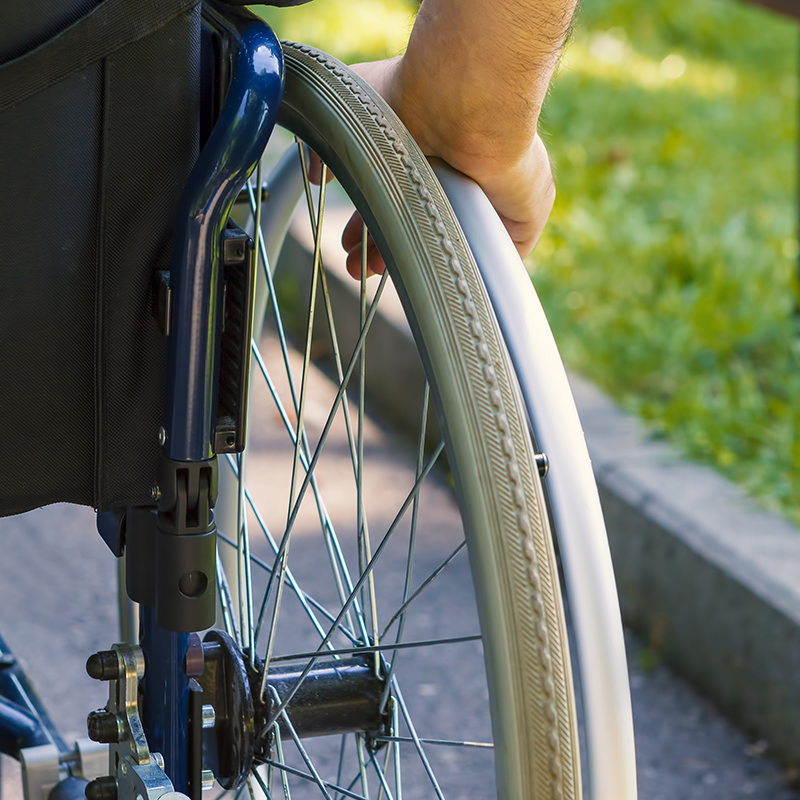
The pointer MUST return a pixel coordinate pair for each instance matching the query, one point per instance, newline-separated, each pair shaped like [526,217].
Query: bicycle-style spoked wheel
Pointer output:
[413,632]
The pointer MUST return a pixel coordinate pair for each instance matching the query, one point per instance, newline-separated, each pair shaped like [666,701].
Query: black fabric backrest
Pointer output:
[91,170]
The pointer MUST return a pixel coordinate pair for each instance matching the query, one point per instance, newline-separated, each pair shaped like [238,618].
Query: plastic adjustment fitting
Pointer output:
[103,666]
[186,545]
[103,727]
[104,788]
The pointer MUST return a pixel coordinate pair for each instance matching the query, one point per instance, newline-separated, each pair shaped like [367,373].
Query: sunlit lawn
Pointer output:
[669,268]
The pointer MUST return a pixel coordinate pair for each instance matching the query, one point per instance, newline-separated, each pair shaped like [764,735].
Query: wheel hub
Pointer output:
[336,696]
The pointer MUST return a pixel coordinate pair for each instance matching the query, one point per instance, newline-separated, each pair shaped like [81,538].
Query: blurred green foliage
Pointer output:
[351,30]
[669,267]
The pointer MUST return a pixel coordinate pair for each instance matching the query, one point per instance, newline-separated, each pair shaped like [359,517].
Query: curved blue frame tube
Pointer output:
[19,728]
[229,156]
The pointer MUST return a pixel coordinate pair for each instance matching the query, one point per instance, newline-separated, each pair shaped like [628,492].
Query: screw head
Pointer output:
[207,779]
[162,436]
[155,493]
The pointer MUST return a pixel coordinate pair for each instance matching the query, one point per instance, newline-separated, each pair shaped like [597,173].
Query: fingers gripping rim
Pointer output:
[510,546]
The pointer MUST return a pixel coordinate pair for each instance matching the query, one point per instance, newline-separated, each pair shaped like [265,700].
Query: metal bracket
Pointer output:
[135,772]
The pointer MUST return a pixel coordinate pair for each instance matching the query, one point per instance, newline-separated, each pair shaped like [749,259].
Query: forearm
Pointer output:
[485,67]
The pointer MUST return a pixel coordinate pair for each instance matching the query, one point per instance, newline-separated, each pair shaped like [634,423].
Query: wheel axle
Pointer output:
[337,696]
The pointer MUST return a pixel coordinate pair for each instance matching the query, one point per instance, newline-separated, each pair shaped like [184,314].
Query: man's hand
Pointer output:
[469,89]
[518,181]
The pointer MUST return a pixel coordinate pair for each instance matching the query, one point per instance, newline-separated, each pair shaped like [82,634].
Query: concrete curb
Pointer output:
[710,581]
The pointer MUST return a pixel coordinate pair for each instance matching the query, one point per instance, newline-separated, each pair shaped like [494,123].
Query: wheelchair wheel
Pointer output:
[321,573]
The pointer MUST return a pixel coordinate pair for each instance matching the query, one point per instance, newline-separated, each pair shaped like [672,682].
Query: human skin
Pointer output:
[470,89]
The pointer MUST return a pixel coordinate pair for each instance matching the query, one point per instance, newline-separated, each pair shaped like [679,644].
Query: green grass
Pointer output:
[669,267]
[351,30]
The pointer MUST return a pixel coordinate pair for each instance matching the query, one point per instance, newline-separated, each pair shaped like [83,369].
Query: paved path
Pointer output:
[58,605]
[686,750]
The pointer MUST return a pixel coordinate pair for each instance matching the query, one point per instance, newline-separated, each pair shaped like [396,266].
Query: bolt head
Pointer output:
[209,716]
[162,436]
[155,493]
[207,779]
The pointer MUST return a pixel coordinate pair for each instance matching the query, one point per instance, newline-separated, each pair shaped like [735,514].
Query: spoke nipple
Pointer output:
[103,666]
[209,716]
[542,464]
[207,779]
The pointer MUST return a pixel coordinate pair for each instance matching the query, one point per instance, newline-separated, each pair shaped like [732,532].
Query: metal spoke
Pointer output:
[243,538]
[281,560]
[305,599]
[331,540]
[416,740]
[329,422]
[279,748]
[263,785]
[412,541]
[356,451]
[448,742]
[302,596]
[377,648]
[424,585]
[243,572]
[262,249]
[340,768]
[381,776]
[339,394]
[328,309]
[398,783]
[225,601]
[364,576]
[282,340]
[362,768]
[299,745]
[300,774]
[364,549]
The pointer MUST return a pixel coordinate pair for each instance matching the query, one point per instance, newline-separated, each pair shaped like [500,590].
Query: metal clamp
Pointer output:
[135,772]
